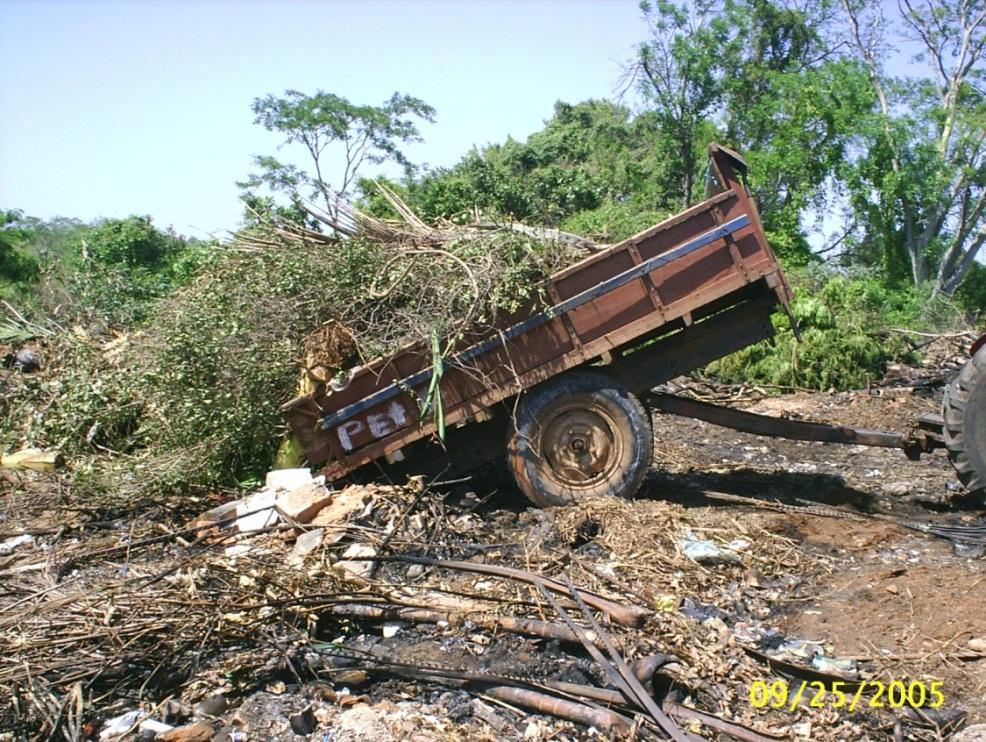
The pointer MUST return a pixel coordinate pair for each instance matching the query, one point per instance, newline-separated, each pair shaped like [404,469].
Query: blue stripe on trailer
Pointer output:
[539,319]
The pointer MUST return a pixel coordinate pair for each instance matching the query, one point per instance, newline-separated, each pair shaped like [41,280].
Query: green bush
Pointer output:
[847,324]
[84,401]
[971,294]
[219,359]
[126,264]
[613,221]
[192,399]
[17,267]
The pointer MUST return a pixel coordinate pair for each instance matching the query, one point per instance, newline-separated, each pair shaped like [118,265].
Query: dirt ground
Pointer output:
[904,600]
[881,601]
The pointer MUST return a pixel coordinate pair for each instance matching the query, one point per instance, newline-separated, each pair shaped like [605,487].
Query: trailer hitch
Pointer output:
[923,438]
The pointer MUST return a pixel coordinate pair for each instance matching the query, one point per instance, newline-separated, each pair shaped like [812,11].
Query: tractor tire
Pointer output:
[582,434]
[964,411]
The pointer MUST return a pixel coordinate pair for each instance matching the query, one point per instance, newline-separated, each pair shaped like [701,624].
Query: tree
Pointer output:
[130,243]
[124,265]
[593,163]
[766,77]
[920,186]
[16,266]
[675,71]
[367,135]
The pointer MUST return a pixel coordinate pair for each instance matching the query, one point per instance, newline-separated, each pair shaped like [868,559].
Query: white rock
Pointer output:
[120,725]
[308,542]
[361,722]
[802,731]
[12,543]
[237,550]
[974,733]
[218,513]
[257,511]
[359,550]
[706,552]
[155,726]
[288,479]
[359,568]
[391,630]
[302,504]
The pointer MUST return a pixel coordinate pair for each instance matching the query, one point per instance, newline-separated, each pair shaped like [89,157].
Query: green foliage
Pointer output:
[677,73]
[971,294]
[592,155]
[219,360]
[613,221]
[17,267]
[367,135]
[917,181]
[761,77]
[128,243]
[101,275]
[192,399]
[125,264]
[847,327]
[84,402]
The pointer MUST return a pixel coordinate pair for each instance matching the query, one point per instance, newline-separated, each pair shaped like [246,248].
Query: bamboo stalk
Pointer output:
[35,459]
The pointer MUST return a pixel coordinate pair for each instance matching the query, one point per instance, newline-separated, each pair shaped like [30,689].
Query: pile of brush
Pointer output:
[420,280]
[191,398]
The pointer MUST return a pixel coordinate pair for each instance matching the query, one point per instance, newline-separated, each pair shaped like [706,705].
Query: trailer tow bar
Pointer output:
[923,438]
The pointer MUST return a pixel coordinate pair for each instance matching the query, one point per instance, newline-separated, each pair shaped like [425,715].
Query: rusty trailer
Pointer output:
[696,287]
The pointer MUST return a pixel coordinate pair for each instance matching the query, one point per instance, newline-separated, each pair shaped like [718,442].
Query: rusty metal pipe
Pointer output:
[605,720]
[615,698]
[625,615]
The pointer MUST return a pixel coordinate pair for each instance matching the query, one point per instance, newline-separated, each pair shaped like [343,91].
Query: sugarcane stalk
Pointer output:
[35,459]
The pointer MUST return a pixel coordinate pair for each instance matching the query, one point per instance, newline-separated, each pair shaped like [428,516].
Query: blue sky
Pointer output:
[114,108]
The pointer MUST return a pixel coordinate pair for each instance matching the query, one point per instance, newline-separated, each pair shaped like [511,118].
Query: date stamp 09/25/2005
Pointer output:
[867,694]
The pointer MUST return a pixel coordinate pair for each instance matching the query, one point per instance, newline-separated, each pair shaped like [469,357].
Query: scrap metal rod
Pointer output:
[626,615]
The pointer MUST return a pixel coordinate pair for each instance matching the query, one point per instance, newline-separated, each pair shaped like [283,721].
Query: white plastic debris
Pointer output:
[288,479]
[12,543]
[804,648]
[391,630]
[835,665]
[257,511]
[153,726]
[120,725]
[706,552]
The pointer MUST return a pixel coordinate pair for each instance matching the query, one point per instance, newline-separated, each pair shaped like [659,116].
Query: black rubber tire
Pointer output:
[964,411]
[624,428]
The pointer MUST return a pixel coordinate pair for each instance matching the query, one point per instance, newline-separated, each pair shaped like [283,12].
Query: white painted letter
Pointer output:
[347,430]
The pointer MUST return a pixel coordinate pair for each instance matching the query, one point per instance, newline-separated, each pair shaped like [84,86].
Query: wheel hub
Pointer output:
[580,446]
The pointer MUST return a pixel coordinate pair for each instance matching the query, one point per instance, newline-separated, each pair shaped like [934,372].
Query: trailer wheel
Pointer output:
[581,434]
[964,410]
